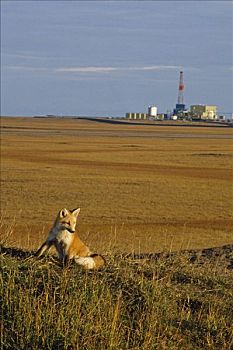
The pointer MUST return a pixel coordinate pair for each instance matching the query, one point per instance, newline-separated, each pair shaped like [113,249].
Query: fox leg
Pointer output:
[60,251]
[44,248]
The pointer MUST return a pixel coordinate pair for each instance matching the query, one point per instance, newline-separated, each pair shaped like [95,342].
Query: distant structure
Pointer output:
[152,111]
[136,116]
[203,112]
[181,90]
[180,106]
[196,112]
[152,114]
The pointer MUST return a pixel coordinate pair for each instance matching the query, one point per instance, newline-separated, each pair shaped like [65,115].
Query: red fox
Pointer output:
[67,243]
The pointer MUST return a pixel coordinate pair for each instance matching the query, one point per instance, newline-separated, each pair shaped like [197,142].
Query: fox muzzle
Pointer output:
[70,230]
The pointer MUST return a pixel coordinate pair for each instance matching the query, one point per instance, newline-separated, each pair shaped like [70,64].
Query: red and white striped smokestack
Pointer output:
[181,89]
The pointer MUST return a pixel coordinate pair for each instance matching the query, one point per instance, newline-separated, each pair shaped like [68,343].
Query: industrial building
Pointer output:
[152,111]
[180,112]
[140,116]
[203,112]
[180,106]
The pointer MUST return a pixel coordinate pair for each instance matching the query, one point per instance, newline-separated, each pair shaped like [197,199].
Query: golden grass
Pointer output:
[140,188]
[160,303]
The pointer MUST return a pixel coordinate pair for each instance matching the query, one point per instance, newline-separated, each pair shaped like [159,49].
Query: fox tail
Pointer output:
[94,261]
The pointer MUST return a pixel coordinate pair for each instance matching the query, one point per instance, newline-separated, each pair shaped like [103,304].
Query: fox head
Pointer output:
[66,219]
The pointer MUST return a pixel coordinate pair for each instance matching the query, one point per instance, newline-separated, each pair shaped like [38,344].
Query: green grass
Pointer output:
[163,303]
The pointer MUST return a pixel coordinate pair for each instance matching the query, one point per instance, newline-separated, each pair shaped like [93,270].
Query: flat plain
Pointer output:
[141,188]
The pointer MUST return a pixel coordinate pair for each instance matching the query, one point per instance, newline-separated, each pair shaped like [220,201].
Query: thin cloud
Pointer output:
[159,67]
[86,70]
[112,69]
[93,70]
[31,57]
[26,68]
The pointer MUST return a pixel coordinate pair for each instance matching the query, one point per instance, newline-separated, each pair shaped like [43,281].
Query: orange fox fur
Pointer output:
[67,243]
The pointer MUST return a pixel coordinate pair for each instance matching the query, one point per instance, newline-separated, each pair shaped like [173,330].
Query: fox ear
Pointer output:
[75,212]
[63,213]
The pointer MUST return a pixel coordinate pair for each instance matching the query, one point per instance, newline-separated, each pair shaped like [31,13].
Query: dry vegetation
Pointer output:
[141,189]
[167,302]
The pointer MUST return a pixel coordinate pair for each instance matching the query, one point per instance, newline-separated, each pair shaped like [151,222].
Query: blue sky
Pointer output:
[111,57]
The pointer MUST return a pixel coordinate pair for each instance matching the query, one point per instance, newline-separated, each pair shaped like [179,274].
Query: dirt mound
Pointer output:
[221,255]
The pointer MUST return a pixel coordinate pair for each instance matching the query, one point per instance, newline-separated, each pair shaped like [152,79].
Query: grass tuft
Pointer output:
[163,303]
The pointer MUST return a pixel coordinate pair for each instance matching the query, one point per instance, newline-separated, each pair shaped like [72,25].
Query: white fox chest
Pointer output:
[62,239]
[65,238]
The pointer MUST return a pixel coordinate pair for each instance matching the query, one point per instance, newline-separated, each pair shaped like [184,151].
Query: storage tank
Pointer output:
[210,114]
[152,111]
